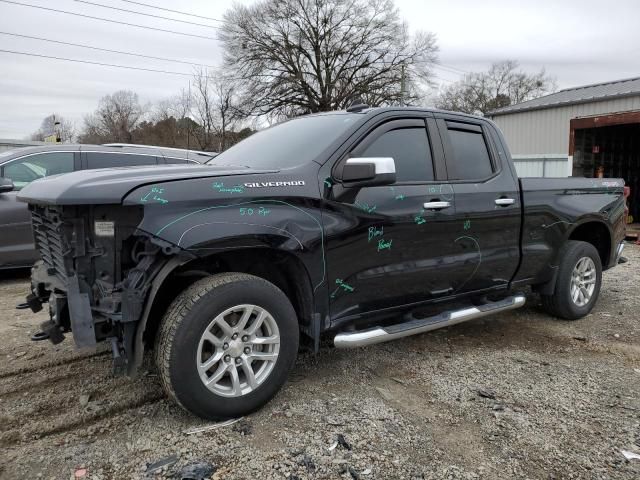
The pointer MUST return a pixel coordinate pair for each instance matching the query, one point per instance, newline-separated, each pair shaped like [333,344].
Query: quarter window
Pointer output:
[471,156]
[27,169]
[409,147]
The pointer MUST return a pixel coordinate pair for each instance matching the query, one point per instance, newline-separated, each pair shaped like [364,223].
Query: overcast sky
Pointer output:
[578,42]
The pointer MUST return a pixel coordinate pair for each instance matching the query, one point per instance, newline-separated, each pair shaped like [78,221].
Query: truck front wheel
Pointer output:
[578,281]
[226,345]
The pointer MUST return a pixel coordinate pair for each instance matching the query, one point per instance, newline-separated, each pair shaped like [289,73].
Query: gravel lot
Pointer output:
[566,402]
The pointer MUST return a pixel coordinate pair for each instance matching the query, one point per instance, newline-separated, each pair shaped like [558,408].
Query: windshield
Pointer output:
[288,144]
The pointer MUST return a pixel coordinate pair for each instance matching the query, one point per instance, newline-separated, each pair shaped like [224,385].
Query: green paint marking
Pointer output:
[382,245]
[328,183]
[366,207]
[467,224]
[219,186]
[156,192]
[400,197]
[250,211]
[341,285]
[375,232]
[200,210]
[419,219]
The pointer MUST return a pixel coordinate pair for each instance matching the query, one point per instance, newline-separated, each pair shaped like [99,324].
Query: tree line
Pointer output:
[284,58]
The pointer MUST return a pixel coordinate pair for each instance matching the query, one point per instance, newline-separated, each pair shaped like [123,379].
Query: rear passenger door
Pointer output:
[91,160]
[487,204]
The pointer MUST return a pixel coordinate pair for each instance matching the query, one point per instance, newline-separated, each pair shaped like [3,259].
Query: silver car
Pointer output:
[19,167]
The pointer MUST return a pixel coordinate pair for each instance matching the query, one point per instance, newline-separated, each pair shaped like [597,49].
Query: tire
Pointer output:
[182,349]
[561,303]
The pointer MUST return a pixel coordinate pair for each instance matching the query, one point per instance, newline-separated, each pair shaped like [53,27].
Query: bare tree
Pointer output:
[55,124]
[302,56]
[202,101]
[214,106]
[115,119]
[502,85]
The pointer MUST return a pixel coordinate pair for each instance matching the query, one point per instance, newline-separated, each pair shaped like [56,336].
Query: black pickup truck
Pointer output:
[362,226]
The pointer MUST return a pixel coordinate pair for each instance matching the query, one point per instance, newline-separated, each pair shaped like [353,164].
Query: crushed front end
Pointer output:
[95,271]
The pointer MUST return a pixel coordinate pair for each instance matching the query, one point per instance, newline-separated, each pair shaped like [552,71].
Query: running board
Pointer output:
[414,326]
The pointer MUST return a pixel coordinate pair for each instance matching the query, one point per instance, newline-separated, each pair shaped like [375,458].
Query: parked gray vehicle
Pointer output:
[19,167]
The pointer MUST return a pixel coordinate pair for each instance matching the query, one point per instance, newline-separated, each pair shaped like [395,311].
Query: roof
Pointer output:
[184,151]
[570,96]
[199,157]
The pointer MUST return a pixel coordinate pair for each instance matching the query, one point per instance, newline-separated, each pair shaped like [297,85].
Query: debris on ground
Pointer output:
[353,473]
[162,463]
[432,425]
[80,473]
[243,427]
[213,426]
[195,471]
[630,455]
[343,442]
[487,393]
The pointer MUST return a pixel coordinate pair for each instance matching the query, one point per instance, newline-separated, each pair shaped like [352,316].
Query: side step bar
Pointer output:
[414,326]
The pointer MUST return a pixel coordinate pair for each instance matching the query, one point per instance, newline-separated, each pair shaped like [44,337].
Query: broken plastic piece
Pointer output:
[630,455]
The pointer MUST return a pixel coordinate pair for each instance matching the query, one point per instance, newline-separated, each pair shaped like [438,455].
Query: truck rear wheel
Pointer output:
[578,282]
[226,345]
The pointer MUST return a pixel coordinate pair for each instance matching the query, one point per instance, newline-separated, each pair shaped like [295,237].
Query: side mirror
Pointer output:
[6,185]
[368,171]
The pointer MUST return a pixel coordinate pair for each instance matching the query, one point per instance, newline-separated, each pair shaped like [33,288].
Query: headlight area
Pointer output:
[95,273]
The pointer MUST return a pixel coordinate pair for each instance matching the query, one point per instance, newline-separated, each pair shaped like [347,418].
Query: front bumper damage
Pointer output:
[95,286]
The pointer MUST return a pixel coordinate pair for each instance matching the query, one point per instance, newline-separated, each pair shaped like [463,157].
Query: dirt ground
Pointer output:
[566,402]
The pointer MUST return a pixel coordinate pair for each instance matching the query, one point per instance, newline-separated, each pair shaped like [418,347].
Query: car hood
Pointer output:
[111,185]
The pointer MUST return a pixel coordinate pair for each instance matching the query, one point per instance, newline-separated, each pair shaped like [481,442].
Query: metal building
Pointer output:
[9,144]
[546,135]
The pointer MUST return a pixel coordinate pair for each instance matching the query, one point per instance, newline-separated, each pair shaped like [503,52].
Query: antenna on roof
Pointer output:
[357,105]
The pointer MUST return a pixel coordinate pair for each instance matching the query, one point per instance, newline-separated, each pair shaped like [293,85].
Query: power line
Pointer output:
[105,49]
[173,11]
[145,14]
[102,64]
[107,20]
[452,68]
[14,52]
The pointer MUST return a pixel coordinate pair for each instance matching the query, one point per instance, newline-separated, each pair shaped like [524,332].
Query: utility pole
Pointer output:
[402,84]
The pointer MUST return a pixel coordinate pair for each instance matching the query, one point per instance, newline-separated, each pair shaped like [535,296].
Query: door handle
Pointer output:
[503,202]
[436,205]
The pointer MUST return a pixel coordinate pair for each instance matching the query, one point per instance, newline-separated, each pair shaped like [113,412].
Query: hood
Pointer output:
[111,185]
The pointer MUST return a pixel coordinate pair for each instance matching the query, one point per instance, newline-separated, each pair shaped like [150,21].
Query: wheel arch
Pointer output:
[280,267]
[598,234]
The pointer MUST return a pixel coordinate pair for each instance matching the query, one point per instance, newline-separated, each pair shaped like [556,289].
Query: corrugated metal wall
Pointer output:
[541,166]
[546,131]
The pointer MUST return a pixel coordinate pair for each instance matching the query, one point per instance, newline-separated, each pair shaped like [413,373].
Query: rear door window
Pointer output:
[111,160]
[471,157]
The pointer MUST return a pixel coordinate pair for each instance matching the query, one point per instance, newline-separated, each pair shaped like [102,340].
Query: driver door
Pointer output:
[385,249]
